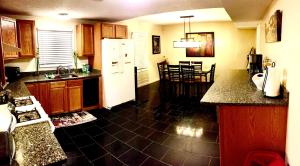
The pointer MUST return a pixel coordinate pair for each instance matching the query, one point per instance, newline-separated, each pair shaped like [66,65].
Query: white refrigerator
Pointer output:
[117,71]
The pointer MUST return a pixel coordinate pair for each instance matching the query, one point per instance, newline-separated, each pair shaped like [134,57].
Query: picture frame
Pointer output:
[207,46]
[156,49]
[273,28]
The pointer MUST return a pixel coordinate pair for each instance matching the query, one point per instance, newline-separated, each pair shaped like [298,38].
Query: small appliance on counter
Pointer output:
[12,73]
[254,63]
[271,85]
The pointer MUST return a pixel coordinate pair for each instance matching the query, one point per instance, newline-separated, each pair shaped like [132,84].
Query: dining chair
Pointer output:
[184,63]
[211,74]
[162,70]
[174,78]
[187,78]
[198,67]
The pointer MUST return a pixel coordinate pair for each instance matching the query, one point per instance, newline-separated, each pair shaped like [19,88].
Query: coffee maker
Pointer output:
[254,63]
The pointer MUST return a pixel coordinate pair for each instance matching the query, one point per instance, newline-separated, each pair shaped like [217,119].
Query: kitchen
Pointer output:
[168,33]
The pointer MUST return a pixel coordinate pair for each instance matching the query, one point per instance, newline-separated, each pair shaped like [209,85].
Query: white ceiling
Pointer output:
[200,15]
[117,10]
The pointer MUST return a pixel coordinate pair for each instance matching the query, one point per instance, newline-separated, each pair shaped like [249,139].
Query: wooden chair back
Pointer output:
[174,73]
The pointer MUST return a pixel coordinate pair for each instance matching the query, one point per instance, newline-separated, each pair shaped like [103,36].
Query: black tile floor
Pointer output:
[145,134]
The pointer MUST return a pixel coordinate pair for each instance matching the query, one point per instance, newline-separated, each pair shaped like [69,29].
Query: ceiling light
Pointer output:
[63,16]
[186,42]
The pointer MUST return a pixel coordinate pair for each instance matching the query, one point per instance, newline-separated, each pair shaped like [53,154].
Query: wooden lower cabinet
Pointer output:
[247,128]
[44,96]
[58,97]
[74,95]
[61,96]
[41,92]
[33,88]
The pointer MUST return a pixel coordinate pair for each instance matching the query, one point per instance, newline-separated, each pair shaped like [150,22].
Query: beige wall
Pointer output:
[135,25]
[231,45]
[28,65]
[287,55]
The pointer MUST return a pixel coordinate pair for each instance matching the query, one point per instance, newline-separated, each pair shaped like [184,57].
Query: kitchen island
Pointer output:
[247,120]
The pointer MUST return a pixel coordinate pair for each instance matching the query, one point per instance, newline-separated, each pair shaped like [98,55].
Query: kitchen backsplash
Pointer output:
[29,65]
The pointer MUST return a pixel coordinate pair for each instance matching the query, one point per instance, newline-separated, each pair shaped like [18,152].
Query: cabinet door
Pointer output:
[44,97]
[108,31]
[26,38]
[85,39]
[88,39]
[58,96]
[121,31]
[75,95]
[9,36]
[33,88]
[75,98]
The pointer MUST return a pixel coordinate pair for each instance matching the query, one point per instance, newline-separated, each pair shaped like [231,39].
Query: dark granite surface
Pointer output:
[37,145]
[19,88]
[236,88]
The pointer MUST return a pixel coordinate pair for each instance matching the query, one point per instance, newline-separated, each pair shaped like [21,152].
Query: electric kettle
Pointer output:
[271,85]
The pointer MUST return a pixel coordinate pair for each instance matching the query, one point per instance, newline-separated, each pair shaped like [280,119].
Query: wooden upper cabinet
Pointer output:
[108,30]
[9,36]
[85,39]
[26,38]
[121,32]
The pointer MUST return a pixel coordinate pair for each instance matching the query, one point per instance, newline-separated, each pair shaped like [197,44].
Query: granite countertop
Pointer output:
[236,88]
[19,88]
[37,145]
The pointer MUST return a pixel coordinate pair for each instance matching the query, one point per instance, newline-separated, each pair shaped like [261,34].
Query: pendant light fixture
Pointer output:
[186,42]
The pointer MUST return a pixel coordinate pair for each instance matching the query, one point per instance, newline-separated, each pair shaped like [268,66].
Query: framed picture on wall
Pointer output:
[273,27]
[207,44]
[155,44]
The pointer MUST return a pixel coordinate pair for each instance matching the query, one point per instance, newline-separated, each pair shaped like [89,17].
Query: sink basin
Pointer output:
[59,76]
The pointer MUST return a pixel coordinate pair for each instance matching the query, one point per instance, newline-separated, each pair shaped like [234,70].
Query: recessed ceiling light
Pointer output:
[63,14]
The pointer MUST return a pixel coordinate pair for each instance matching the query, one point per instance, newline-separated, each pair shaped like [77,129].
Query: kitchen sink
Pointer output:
[60,76]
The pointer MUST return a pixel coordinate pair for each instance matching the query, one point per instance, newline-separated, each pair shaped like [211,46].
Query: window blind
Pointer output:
[55,48]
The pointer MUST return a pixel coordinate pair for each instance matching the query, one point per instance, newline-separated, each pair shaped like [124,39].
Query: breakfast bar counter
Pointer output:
[235,87]
[248,121]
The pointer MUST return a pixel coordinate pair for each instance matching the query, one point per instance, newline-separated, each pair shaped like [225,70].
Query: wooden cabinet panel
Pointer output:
[108,30]
[74,95]
[121,31]
[9,36]
[74,83]
[75,98]
[33,88]
[57,84]
[41,92]
[88,39]
[44,96]
[58,100]
[247,128]
[26,38]
[85,39]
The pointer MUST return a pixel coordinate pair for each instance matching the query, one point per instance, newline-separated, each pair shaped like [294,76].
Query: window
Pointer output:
[55,48]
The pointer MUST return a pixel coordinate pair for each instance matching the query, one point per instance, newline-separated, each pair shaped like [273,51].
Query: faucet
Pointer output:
[59,70]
